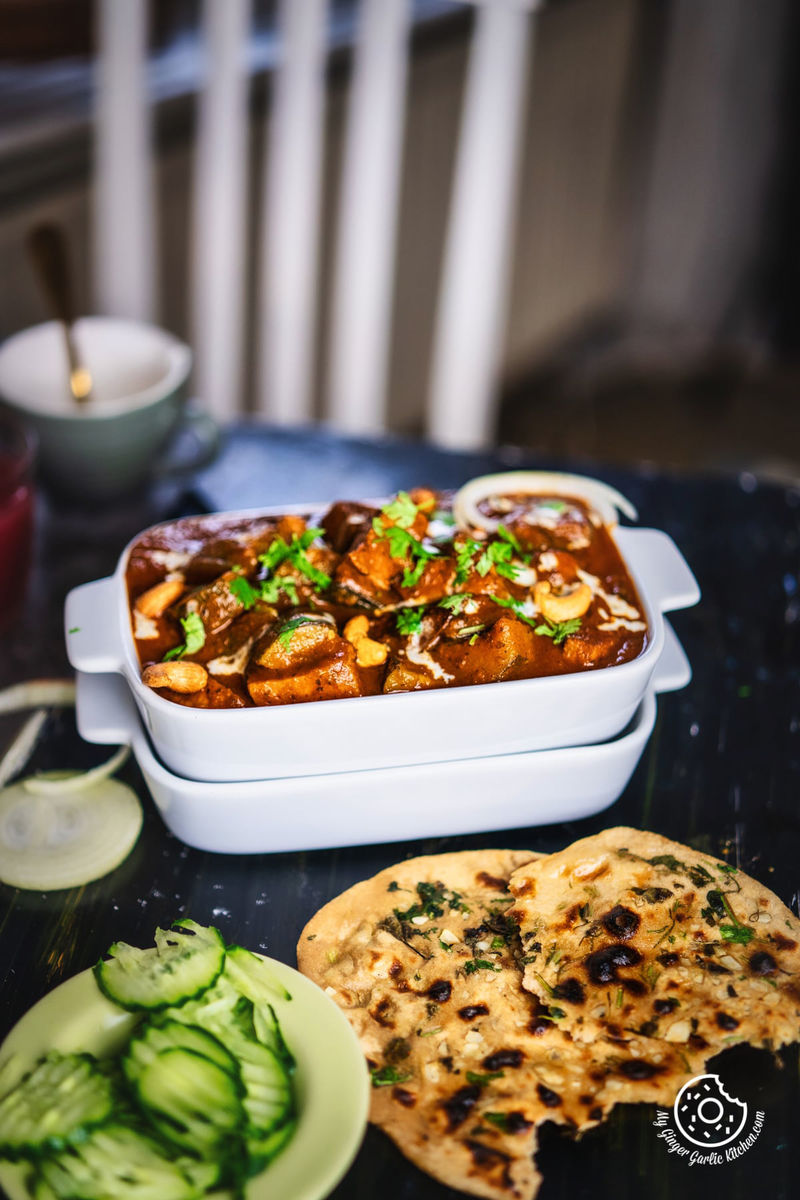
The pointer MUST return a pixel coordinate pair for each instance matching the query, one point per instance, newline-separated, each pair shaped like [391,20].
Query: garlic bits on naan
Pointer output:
[633,935]
[426,963]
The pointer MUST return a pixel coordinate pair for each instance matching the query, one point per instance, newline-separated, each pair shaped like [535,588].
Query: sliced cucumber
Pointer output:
[262,1151]
[154,1039]
[268,1088]
[185,961]
[56,1103]
[67,839]
[268,1031]
[252,976]
[191,1101]
[117,1163]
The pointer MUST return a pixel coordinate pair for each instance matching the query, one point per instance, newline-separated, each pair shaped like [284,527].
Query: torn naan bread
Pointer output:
[634,936]
[465,1064]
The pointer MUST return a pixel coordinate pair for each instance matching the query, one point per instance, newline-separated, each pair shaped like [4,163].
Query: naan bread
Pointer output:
[632,935]
[426,965]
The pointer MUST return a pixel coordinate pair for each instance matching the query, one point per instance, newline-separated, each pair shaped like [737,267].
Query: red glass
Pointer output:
[17,454]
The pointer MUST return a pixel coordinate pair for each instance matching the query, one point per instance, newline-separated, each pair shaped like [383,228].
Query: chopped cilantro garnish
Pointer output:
[559,631]
[433,897]
[386,1076]
[269,590]
[403,544]
[556,505]
[244,591]
[509,537]
[194,633]
[290,627]
[409,621]
[497,943]
[75,629]
[500,1119]
[444,516]
[294,552]
[482,1080]
[736,933]
[455,603]
[402,511]
[480,964]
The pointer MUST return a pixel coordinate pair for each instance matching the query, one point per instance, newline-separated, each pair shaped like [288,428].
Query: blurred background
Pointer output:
[291,187]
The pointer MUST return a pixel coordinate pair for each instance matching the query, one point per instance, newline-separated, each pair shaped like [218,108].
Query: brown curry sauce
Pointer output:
[267,608]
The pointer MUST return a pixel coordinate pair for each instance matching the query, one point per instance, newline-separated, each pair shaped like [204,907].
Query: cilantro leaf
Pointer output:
[480,964]
[409,621]
[194,633]
[558,630]
[455,603]
[271,590]
[290,627]
[482,1080]
[402,511]
[737,933]
[294,552]
[386,1076]
[243,590]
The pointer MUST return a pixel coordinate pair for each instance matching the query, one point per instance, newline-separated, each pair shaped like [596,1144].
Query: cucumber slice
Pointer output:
[191,1101]
[116,1163]
[268,1089]
[252,976]
[67,839]
[261,1151]
[268,1031]
[154,1039]
[185,961]
[53,1105]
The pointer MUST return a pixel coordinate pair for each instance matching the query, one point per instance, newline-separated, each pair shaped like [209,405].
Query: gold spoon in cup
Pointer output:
[48,250]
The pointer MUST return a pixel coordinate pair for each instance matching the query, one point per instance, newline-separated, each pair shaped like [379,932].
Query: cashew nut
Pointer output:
[185,677]
[369,653]
[356,629]
[156,600]
[572,601]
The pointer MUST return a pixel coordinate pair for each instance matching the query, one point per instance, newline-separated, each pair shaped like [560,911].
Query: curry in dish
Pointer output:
[231,612]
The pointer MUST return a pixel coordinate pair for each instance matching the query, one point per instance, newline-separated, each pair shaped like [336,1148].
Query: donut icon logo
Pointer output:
[706,1115]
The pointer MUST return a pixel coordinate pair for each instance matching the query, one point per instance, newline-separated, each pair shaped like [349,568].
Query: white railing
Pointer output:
[471,307]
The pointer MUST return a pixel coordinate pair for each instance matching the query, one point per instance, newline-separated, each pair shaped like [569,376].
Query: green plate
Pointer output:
[331,1081]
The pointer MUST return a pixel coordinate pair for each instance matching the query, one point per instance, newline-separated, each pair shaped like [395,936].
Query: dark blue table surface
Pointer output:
[721,771]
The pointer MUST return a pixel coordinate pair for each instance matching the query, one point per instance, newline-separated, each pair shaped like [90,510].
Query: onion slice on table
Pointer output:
[22,746]
[66,839]
[605,499]
[56,783]
[38,693]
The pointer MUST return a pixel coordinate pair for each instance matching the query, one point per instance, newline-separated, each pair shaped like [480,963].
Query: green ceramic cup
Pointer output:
[115,441]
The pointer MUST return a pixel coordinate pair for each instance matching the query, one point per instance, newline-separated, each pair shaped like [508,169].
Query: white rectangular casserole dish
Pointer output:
[371,732]
[312,812]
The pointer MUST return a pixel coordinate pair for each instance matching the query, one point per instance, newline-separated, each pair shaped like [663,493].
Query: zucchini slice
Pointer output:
[55,1104]
[186,960]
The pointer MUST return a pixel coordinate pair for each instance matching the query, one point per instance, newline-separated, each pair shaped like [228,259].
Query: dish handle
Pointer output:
[105,711]
[91,626]
[659,563]
[673,670]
